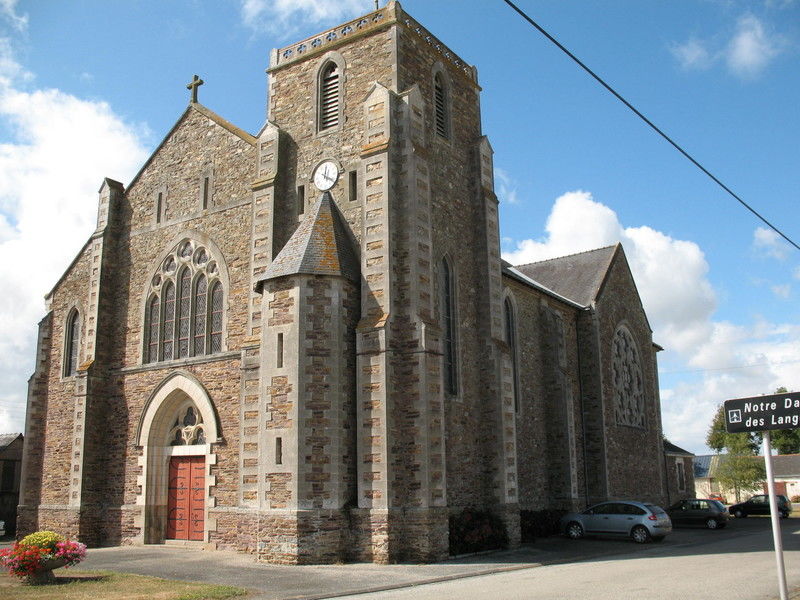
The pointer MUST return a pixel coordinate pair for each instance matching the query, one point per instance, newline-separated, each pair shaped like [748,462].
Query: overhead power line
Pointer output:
[736,368]
[648,121]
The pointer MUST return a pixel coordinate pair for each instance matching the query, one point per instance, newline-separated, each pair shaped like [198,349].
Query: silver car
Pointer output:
[641,521]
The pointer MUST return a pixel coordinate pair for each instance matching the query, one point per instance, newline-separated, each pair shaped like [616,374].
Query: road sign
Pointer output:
[763,413]
[767,413]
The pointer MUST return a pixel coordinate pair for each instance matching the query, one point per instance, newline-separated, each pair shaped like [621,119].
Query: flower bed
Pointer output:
[34,557]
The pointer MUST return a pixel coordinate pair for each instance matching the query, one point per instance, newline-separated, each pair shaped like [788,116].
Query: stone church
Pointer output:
[303,342]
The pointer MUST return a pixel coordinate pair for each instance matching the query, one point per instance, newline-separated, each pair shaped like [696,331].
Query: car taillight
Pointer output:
[652,518]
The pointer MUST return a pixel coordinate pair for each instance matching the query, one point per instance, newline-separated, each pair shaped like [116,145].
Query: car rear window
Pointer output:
[656,510]
[718,504]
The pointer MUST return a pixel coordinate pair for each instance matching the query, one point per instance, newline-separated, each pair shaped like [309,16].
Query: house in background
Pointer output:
[10,469]
[678,472]
[786,469]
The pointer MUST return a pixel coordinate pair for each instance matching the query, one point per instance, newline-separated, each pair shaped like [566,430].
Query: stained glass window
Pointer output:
[185,309]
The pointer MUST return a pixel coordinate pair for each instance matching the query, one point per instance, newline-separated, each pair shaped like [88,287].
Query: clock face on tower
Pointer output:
[326,175]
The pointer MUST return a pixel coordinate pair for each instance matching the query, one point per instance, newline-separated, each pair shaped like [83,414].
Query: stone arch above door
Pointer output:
[169,394]
[179,395]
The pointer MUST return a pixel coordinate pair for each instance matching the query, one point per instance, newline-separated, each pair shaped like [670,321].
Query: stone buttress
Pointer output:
[306,474]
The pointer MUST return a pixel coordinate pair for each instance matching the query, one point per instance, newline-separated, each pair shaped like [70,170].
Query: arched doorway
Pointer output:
[176,431]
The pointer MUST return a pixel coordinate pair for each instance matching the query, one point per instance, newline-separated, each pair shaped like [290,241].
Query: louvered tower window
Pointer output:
[440,102]
[329,97]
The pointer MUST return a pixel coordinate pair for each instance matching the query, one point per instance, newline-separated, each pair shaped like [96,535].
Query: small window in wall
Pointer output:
[440,100]
[279,352]
[7,481]
[301,199]
[450,371]
[278,451]
[681,474]
[206,190]
[71,342]
[329,96]
[159,206]
[511,340]
[353,186]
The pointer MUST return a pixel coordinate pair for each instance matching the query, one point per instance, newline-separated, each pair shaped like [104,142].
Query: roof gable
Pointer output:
[579,277]
[195,106]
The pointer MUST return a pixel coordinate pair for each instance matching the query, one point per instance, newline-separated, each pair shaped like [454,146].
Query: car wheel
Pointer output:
[640,534]
[712,523]
[574,531]
[739,514]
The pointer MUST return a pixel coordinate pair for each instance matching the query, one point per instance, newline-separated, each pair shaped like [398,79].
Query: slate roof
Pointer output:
[702,465]
[578,277]
[783,465]
[671,448]
[786,465]
[321,245]
[7,438]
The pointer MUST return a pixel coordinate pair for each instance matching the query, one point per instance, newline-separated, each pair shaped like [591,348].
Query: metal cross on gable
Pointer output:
[195,83]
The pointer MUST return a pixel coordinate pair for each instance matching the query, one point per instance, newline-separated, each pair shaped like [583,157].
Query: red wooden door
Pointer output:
[185,498]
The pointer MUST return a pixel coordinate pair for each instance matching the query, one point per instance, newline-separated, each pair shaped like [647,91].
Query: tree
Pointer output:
[718,439]
[740,469]
[785,441]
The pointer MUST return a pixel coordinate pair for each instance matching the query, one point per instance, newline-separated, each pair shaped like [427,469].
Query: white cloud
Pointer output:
[692,54]
[9,12]
[751,48]
[769,243]
[746,51]
[506,187]
[672,278]
[782,291]
[670,274]
[50,172]
[286,17]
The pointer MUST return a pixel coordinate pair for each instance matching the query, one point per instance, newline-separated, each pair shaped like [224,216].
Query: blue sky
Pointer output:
[89,88]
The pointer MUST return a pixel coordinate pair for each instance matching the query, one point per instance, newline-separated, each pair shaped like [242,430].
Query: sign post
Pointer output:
[766,413]
[775,517]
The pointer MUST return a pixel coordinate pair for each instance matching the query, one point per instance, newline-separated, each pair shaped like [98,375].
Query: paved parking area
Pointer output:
[274,582]
[271,582]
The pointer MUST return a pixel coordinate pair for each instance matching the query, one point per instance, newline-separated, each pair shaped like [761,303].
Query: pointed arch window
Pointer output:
[330,83]
[511,340]
[450,366]
[71,343]
[441,107]
[184,315]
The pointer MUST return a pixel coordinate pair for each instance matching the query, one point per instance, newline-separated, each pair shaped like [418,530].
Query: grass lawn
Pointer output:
[102,585]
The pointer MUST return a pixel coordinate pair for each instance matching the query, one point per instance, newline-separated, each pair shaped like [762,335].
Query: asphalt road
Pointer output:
[736,563]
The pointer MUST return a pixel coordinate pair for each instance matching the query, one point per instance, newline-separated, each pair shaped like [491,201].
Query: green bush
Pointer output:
[539,523]
[42,539]
[795,498]
[474,530]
